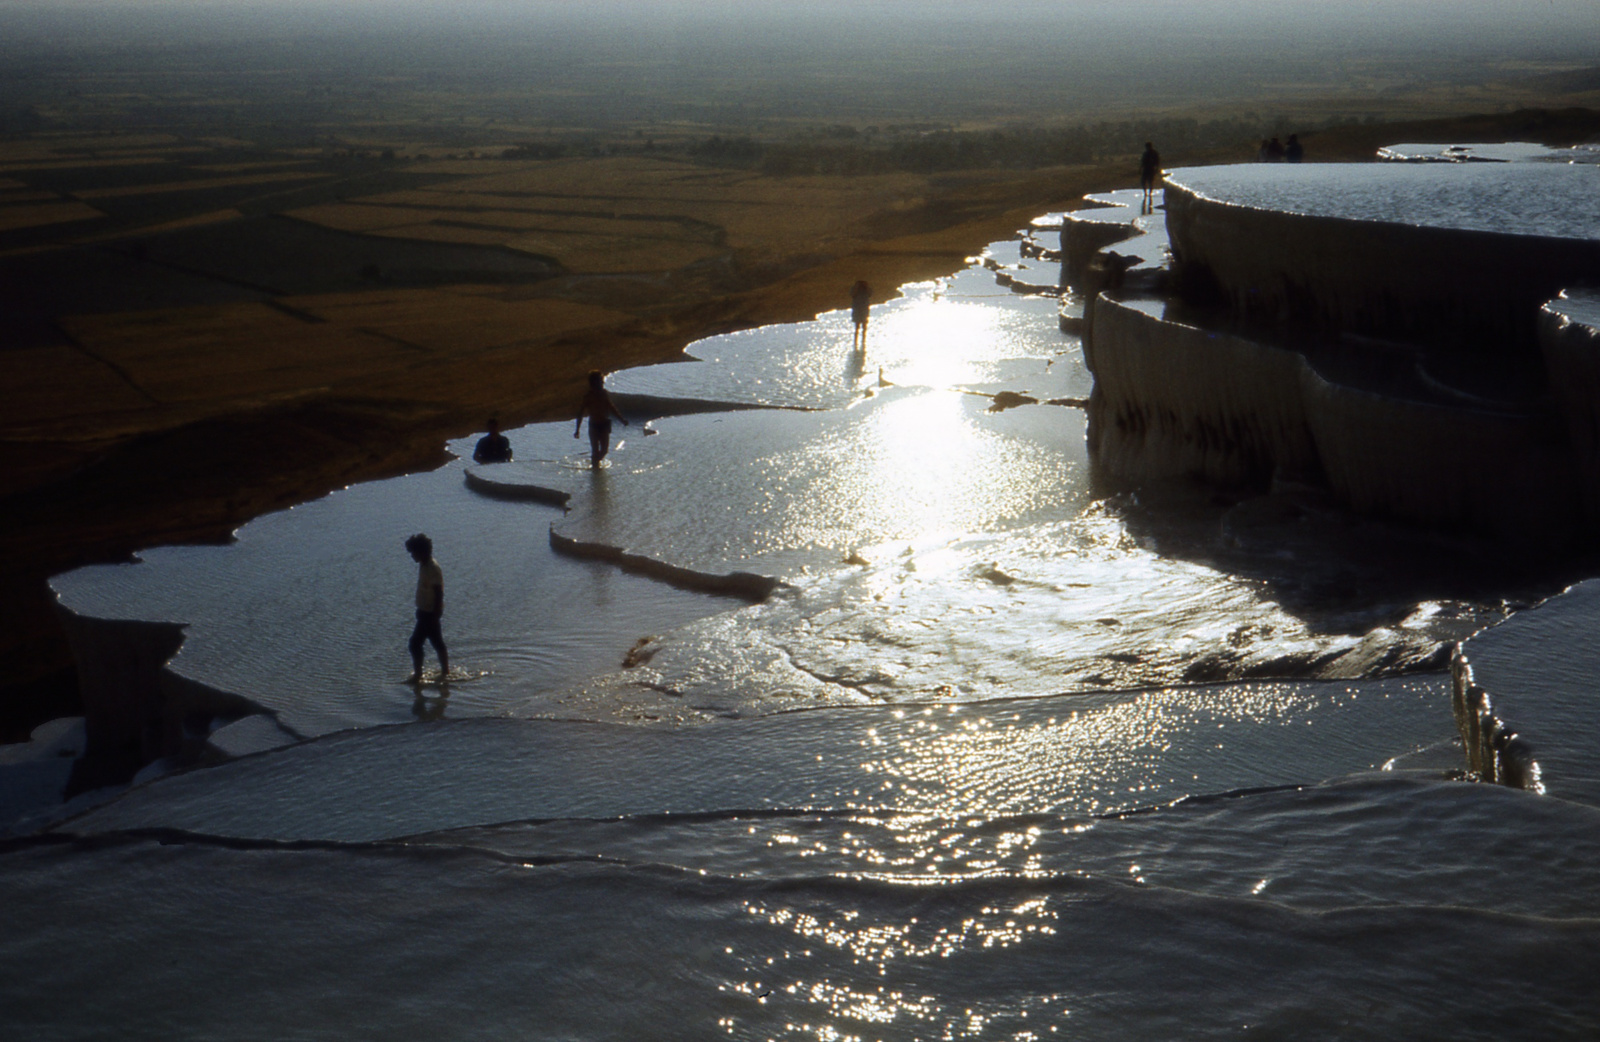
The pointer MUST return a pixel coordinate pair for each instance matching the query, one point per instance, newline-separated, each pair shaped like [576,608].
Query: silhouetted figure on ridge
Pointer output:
[1149,171]
[430,607]
[1294,151]
[861,310]
[1274,150]
[598,404]
[493,447]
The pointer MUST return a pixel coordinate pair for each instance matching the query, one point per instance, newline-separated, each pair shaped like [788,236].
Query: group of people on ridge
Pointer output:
[1271,151]
[1274,151]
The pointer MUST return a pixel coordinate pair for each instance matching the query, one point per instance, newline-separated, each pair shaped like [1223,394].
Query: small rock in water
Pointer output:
[996,576]
[644,649]
[1010,400]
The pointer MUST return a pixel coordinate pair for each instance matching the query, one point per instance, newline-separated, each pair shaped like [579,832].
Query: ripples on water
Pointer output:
[921,854]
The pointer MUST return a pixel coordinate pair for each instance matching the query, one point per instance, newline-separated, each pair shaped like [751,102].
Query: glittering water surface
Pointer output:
[1093,754]
[1008,756]
[960,333]
[309,611]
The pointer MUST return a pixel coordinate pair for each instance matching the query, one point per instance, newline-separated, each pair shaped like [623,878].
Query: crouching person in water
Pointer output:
[493,447]
[430,606]
[598,404]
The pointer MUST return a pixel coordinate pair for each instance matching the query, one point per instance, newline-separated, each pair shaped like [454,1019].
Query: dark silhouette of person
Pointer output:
[430,607]
[1294,151]
[1149,170]
[493,447]
[598,404]
[1274,150]
[1264,153]
[861,309]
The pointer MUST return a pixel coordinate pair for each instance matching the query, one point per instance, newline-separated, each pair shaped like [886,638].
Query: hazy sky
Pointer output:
[1131,50]
[1570,25]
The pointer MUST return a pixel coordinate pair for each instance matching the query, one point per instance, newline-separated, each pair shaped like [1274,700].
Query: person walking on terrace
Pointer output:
[430,607]
[1149,172]
[861,310]
[598,404]
[493,447]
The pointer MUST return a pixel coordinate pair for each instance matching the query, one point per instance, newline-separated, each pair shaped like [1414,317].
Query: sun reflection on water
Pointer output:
[937,342]
[846,1001]
[917,468]
[991,926]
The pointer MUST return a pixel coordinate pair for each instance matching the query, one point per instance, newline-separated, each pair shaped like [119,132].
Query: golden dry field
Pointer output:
[356,295]
[630,214]
[37,215]
[196,185]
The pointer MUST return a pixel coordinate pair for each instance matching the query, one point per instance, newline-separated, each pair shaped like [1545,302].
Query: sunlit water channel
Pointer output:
[1008,755]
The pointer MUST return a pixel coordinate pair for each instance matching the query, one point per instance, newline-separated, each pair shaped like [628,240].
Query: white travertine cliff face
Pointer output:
[1172,399]
[1459,255]
[1272,371]
[1403,335]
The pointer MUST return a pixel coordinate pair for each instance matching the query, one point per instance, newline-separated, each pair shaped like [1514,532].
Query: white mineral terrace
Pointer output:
[1545,199]
[1498,152]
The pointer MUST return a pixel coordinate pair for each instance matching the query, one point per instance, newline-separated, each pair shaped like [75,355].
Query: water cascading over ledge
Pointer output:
[1175,399]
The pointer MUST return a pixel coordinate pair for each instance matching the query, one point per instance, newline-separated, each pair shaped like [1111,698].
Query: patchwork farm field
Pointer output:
[631,214]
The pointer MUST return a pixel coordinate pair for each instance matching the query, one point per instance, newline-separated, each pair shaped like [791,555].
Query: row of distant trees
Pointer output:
[845,150]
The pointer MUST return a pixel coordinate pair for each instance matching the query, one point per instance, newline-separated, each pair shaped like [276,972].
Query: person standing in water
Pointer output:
[1149,171]
[430,607]
[861,310]
[598,404]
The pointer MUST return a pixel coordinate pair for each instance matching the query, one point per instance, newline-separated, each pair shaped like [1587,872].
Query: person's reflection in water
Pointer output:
[600,507]
[426,710]
[598,404]
[856,367]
